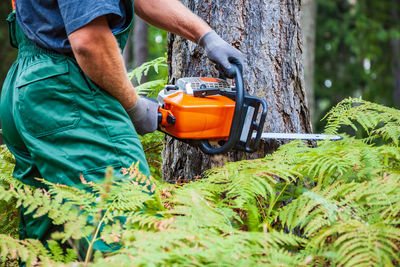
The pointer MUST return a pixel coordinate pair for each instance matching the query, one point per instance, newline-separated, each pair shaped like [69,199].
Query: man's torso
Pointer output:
[48,22]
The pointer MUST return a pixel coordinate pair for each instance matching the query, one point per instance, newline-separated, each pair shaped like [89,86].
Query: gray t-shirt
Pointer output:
[48,22]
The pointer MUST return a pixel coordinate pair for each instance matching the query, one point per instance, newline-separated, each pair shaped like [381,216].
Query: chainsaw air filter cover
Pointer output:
[195,83]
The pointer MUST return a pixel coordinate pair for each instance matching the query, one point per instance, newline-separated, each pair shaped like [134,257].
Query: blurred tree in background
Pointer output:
[146,43]
[7,53]
[308,25]
[357,52]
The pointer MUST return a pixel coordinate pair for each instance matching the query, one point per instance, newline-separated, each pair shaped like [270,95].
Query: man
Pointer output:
[67,106]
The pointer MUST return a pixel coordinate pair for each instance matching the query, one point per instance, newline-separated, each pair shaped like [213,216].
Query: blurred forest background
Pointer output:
[352,48]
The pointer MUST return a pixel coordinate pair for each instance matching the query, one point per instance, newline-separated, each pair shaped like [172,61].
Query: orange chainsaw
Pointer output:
[200,110]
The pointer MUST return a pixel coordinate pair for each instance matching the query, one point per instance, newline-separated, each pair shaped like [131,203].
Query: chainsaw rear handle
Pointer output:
[234,133]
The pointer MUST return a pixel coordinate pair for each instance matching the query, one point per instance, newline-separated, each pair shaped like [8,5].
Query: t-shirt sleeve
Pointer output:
[78,13]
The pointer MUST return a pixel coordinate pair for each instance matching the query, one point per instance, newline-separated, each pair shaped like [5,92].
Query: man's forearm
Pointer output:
[97,53]
[173,16]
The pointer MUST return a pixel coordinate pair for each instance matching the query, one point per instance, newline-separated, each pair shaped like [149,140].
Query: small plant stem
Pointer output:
[159,201]
[74,247]
[90,249]
[152,147]
[276,199]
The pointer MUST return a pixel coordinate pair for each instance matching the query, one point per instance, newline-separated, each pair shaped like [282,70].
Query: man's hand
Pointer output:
[144,115]
[221,53]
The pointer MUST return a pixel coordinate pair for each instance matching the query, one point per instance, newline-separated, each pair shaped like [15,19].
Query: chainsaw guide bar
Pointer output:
[300,136]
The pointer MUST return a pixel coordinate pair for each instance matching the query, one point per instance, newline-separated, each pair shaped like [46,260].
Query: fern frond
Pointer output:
[7,163]
[145,67]
[376,200]
[143,221]
[378,121]
[244,181]
[281,257]
[78,197]
[126,196]
[347,160]
[58,254]
[40,202]
[253,217]
[202,247]
[30,251]
[148,87]
[198,211]
[362,244]
[56,251]
[70,256]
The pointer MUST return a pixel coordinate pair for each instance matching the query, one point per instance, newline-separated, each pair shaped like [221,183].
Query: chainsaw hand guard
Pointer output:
[234,133]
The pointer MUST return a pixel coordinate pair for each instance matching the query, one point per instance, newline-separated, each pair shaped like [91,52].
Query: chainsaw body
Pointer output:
[198,118]
[203,110]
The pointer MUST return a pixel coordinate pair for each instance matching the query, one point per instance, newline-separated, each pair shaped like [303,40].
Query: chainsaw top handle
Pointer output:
[234,133]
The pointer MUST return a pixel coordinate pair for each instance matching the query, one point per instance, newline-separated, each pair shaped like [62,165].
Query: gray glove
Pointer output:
[144,115]
[221,53]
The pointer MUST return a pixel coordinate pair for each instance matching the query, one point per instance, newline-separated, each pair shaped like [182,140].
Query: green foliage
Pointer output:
[335,204]
[156,42]
[153,144]
[377,121]
[30,251]
[354,52]
[157,47]
[7,53]
[152,87]
[58,254]
[8,213]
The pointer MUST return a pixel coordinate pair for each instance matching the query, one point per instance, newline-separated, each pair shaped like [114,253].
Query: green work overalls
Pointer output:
[59,124]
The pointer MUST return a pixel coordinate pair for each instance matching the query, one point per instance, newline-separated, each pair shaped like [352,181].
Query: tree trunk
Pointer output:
[308,19]
[136,50]
[140,48]
[268,34]
[127,53]
[7,53]
[395,43]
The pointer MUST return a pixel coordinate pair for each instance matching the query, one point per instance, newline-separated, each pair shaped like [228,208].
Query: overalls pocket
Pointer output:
[45,101]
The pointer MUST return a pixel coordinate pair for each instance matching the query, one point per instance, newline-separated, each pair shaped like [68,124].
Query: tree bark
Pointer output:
[127,53]
[268,34]
[140,48]
[7,53]
[308,19]
[395,43]
[136,50]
